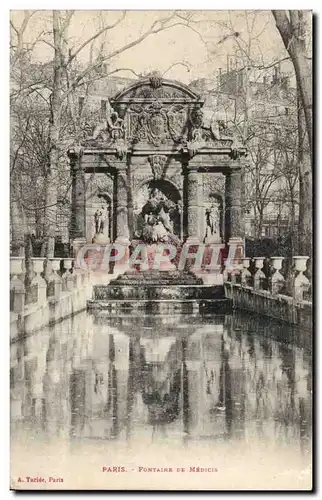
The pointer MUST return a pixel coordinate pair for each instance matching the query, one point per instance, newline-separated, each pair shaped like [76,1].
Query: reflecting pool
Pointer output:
[230,393]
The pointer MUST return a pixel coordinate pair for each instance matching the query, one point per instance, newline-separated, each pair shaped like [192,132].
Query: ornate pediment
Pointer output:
[155,113]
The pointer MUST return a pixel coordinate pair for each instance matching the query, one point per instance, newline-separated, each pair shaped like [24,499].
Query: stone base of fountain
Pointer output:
[159,292]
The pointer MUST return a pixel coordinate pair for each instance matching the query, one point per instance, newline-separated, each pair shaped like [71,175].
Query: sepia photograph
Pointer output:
[161,250]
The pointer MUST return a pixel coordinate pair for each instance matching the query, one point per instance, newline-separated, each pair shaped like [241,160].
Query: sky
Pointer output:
[203,49]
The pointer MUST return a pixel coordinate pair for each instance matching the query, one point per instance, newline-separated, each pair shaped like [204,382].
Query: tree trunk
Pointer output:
[18,220]
[294,236]
[293,32]
[259,224]
[306,194]
[17,228]
[54,133]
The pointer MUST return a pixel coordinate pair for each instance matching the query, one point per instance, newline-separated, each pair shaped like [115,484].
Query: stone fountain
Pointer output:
[164,289]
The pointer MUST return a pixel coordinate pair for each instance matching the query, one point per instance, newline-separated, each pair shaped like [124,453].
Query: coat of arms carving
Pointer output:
[157,123]
[152,125]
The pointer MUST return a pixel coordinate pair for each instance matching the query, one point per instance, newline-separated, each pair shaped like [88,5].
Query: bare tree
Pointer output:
[68,75]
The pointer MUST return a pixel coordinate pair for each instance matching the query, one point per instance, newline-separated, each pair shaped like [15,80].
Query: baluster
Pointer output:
[301,284]
[85,274]
[38,280]
[245,273]
[228,267]
[82,269]
[236,273]
[17,286]
[78,275]
[68,280]
[277,280]
[75,274]
[259,275]
[55,281]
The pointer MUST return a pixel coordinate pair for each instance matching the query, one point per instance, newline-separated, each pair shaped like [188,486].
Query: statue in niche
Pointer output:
[99,224]
[213,222]
[101,216]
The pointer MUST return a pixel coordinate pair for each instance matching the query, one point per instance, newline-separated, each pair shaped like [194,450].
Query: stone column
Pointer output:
[234,227]
[234,221]
[122,226]
[78,215]
[193,206]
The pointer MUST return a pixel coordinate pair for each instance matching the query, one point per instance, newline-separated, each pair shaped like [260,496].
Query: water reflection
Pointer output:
[222,378]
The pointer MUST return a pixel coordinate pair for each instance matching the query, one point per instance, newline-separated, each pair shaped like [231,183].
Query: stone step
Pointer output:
[157,278]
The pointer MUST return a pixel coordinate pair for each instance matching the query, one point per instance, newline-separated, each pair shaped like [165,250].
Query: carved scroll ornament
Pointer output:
[158,165]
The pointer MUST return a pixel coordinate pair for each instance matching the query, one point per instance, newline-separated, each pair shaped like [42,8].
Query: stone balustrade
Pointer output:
[275,281]
[275,292]
[55,289]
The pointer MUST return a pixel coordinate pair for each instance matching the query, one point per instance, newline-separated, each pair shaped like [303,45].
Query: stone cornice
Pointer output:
[156,151]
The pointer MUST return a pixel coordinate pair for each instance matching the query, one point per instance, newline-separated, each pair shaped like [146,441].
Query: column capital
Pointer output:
[120,166]
[233,169]
[75,160]
[192,168]
[75,152]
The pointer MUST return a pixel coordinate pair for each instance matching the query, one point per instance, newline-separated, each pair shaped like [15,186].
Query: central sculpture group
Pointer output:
[156,218]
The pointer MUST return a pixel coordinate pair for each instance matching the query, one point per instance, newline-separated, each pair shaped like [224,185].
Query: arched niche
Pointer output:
[213,198]
[99,195]
[99,201]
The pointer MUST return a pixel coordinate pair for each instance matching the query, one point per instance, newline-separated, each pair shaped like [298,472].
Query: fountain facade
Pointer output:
[154,172]
[154,144]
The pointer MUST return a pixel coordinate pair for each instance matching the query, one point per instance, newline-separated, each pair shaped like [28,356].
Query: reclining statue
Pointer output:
[112,124]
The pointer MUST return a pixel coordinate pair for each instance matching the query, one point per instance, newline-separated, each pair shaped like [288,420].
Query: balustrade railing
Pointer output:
[51,278]
[46,279]
[262,274]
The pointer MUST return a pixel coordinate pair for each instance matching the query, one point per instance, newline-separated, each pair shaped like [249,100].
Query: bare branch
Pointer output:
[180,63]
[94,37]
[152,30]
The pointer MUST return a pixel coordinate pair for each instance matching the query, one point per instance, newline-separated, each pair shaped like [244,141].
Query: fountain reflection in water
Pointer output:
[221,378]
